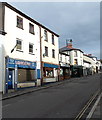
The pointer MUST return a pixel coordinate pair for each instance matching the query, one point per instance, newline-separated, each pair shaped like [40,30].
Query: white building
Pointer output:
[49,53]
[76,58]
[90,62]
[64,62]
[24,46]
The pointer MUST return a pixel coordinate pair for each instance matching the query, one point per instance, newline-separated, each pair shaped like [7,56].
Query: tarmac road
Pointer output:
[62,101]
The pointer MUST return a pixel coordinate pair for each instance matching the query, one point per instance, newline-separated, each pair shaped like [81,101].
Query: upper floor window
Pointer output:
[31,28]
[45,35]
[53,42]
[30,48]
[75,62]
[60,57]
[53,53]
[65,59]
[19,22]
[19,44]
[75,53]
[81,54]
[46,51]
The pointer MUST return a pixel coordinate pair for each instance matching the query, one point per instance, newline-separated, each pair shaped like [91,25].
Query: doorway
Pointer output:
[10,79]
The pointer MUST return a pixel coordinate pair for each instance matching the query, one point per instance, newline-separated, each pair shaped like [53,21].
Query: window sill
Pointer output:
[31,53]
[32,33]
[46,40]
[53,44]
[19,50]
[19,27]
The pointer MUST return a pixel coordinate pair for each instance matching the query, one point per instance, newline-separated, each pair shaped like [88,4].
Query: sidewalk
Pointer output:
[96,113]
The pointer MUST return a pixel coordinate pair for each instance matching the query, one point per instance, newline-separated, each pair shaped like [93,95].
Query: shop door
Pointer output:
[10,79]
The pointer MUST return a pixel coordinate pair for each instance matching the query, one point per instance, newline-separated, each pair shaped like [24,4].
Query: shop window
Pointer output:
[31,28]
[75,53]
[46,51]
[19,22]
[53,42]
[45,35]
[19,44]
[48,72]
[53,53]
[61,71]
[30,48]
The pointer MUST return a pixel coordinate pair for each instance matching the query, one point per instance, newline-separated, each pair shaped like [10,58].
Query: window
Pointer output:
[19,44]
[19,22]
[30,48]
[53,39]
[31,28]
[75,62]
[65,59]
[60,57]
[48,72]
[45,35]
[81,54]
[53,53]
[46,51]
[75,53]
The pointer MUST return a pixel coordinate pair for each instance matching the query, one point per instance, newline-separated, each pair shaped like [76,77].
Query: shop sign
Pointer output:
[21,63]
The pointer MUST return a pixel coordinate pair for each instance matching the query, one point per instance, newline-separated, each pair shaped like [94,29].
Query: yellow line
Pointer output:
[86,106]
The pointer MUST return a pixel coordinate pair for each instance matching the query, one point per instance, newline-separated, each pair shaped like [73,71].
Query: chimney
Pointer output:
[69,43]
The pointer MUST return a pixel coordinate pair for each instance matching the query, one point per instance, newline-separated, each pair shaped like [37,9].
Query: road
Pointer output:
[62,101]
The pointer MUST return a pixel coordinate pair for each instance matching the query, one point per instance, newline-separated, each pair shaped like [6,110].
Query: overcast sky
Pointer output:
[79,21]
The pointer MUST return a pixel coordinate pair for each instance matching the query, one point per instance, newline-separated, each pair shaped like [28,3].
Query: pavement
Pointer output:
[97,113]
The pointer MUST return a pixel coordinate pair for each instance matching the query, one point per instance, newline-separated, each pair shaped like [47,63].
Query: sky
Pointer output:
[79,21]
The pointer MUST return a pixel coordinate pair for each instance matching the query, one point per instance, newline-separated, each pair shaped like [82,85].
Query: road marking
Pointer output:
[94,107]
[86,106]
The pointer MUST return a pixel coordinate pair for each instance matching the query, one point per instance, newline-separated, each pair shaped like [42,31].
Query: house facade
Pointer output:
[76,59]
[24,48]
[64,62]
[49,53]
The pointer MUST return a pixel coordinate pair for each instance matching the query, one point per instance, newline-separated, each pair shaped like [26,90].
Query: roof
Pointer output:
[68,49]
[90,56]
[86,61]
[63,53]
[29,18]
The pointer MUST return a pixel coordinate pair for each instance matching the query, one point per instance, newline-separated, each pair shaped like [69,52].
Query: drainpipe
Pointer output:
[41,63]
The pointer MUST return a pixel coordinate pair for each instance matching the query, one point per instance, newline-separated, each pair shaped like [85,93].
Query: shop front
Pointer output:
[77,71]
[50,72]
[19,74]
[65,72]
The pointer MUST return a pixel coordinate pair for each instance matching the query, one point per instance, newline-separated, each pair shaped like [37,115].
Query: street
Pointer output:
[62,101]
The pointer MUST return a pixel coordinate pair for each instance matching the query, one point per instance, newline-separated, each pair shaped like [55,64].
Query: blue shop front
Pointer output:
[50,72]
[20,74]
